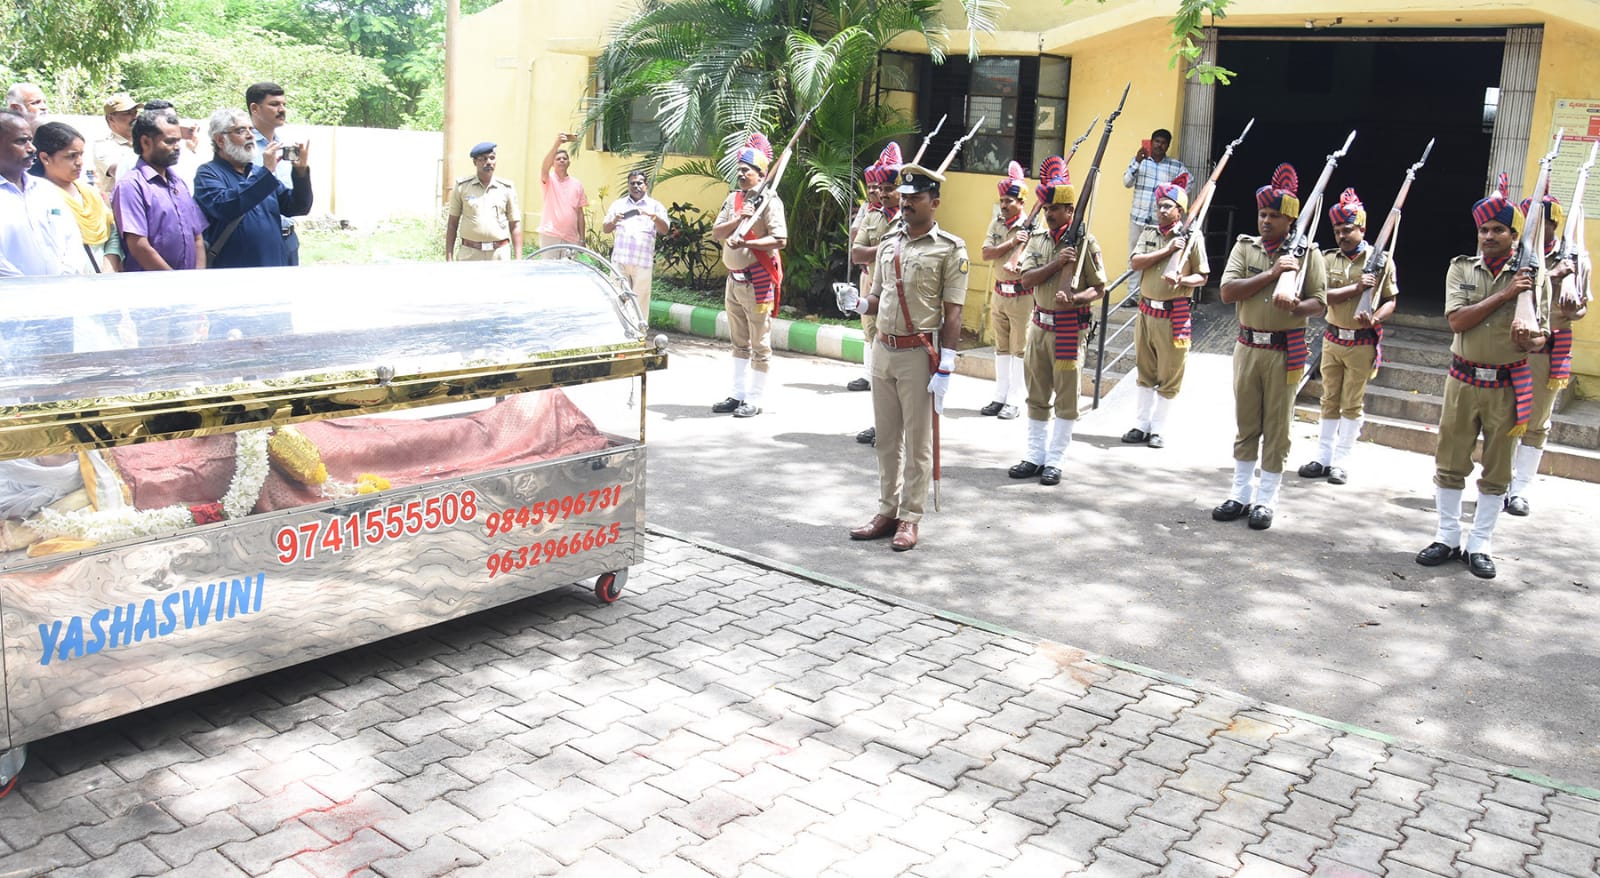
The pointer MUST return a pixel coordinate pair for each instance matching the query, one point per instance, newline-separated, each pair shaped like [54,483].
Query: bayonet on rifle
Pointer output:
[1300,239]
[1015,262]
[927,140]
[769,184]
[1195,222]
[1530,247]
[1080,214]
[1388,236]
[957,146]
[1573,290]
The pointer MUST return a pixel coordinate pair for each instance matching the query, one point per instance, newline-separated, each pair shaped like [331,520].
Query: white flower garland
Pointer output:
[249,475]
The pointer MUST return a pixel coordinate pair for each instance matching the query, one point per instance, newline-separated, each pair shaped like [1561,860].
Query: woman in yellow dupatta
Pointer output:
[99,249]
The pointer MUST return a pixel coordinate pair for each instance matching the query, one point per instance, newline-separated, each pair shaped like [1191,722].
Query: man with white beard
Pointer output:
[244,202]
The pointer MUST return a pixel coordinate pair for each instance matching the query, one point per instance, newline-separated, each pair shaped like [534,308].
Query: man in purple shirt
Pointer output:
[159,219]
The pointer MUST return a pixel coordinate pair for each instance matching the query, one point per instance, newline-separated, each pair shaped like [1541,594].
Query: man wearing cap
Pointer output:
[1351,343]
[115,151]
[918,288]
[1490,388]
[1012,303]
[485,213]
[883,211]
[1062,293]
[1163,328]
[1551,365]
[1269,357]
[634,221]
[755,275]
[1151,167]
[561,219]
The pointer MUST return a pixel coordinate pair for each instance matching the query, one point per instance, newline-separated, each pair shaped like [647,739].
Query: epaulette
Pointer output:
[467,179]
[1244,238]
[949,236]
[1464,259]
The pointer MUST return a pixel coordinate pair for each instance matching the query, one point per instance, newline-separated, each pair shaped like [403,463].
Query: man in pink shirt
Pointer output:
[564,198]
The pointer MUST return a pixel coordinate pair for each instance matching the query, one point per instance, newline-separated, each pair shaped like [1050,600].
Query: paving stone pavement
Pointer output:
[732,718]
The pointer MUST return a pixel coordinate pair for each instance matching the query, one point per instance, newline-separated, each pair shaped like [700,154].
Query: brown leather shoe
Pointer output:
[879,527]
[905,537]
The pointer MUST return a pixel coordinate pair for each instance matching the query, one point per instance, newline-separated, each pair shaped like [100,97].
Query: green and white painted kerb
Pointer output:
[800,336]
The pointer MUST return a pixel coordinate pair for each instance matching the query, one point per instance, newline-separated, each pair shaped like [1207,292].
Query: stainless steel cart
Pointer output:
[207,476]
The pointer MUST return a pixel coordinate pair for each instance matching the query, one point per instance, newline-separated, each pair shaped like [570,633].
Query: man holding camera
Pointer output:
[561,219]
[269,110]
[485,213]
[246,203]
[635,220]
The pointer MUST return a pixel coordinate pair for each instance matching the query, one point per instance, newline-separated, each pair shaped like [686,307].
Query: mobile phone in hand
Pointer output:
[1145,145]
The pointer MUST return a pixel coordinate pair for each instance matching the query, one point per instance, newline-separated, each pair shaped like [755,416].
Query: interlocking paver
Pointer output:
[101,839]
[1148,840]
[1496,853]
[258,854]
[178,848]
[1566,856]
[1425,850]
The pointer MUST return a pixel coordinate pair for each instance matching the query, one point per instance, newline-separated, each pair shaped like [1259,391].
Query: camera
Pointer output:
[290,152]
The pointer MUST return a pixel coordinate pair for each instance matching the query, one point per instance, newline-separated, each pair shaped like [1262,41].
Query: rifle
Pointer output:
[769,184]
[1196,221]
[1300,239]
[1382,249]
[927,140]
[1080,213]
[1015,261]
[955,148]
[1529,256]
[1572,243]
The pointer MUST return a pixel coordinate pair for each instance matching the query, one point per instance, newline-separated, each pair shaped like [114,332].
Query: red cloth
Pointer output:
[521,429]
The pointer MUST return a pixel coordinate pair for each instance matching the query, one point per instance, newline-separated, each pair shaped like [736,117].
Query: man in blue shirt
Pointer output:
[269,110]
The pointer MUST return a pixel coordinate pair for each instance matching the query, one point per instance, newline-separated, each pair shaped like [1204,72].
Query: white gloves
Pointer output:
[940,382]
[849,298]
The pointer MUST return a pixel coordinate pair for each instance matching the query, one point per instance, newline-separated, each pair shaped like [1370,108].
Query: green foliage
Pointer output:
[200,72]
[47,35]
[718,70]
[687,250]
[1188,31]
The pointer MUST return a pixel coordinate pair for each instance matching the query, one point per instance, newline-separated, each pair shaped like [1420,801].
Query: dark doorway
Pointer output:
[1397,89]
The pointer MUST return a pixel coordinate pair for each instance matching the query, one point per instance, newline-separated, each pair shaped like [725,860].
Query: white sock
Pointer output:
[1484,519]
[1524,467]
[1038,434]
[1059,440]
[1146,397]
[1244,472]
[1267,494]
[866,360]
[1449,502]
[1002,377]
[1349,432]
[1158,418]
[741,368]
[1019,381]
[1330,430]
[758,388]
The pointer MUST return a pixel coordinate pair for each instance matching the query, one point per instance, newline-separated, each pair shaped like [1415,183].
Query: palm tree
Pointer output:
[717,70]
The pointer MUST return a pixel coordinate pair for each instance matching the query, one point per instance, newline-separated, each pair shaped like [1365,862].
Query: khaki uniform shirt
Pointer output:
[932,272]
[1344,271]
[114,149]
[1249,259]
[1151,286]
[1469,282]
[999,231]
[1042,249]
[769,221]
[486,211]
[871,231]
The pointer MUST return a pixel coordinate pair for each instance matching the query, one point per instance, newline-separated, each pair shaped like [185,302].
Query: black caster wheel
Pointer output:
[608,588]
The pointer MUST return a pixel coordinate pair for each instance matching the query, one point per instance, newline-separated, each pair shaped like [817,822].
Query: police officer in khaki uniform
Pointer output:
[1490,388]
[755,277]
[1059,326]
[1270,355]
[1011,303]
[918,288]
[486,214]
[1350,343]
[1552,366]
[1163,329]
[883,211]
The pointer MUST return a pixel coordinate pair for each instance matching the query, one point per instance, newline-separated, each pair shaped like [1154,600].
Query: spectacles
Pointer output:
[241,131]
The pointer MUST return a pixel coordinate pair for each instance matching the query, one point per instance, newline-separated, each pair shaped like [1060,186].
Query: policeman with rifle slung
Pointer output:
[1275,281]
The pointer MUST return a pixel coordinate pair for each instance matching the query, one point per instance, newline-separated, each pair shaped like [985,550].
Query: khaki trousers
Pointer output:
[1160,362]
[1544,401]
[1263,404]
[1346,369]
[869,327]
[639,278]
[1046,383]
[1469,411]
[473,254]
[552,240]
[751,329]
[1011,316]
[902,411]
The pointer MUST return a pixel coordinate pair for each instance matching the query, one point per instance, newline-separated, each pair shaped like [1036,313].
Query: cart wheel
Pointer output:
[607,588]
[7,788]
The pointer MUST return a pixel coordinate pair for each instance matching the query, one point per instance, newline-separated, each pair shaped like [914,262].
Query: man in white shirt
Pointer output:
[27,236]
[1151,167]
[635,220]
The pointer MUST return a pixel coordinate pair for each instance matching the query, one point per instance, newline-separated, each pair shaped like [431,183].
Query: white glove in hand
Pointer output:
[940,382]
[849,298]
